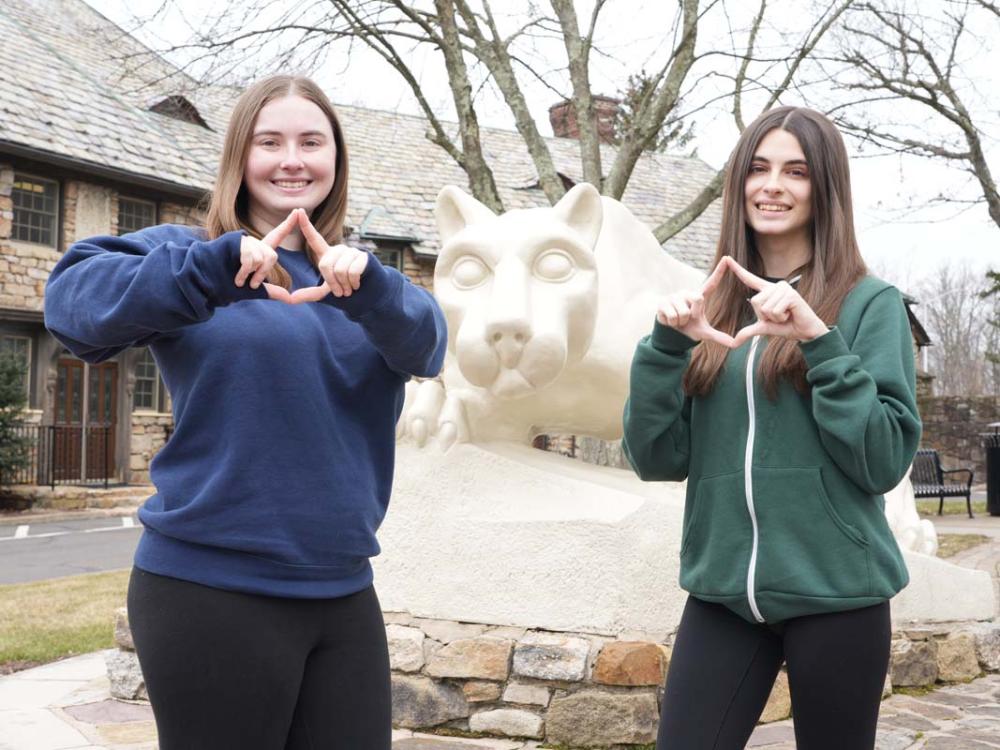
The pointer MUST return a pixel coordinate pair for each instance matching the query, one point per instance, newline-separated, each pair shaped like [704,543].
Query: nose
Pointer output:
[508,337]
[507,326]
[773,184]
[290,160]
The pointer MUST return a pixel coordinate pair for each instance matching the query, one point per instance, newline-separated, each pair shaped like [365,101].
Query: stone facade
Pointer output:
[150,431]
[578,689]
[953,425]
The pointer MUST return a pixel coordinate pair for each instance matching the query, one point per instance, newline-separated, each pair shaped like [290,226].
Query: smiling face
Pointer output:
[291,162]
[778,190]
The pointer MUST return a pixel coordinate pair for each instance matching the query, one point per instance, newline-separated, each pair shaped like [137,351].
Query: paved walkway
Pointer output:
[67,706]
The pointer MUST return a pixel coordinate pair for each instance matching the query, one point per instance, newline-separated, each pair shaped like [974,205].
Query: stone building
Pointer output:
[97,136]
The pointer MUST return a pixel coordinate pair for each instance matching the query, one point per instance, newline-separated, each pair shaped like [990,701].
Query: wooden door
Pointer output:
[101,412]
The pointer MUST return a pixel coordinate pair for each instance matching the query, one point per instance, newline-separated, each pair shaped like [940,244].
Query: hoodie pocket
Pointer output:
[804,546]
[716,547]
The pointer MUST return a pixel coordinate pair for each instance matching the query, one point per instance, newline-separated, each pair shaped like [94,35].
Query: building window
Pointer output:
[20,348]
[148,388]
[36,210]
[389,257]
[134,215]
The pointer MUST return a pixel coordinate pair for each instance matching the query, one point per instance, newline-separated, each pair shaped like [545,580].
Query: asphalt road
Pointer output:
[33,552]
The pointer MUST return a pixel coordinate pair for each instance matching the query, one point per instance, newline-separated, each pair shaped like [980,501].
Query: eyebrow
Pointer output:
[792,161]
[278,132]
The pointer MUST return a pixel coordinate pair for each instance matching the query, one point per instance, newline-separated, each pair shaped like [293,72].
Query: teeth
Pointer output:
[771,207]
[290,184]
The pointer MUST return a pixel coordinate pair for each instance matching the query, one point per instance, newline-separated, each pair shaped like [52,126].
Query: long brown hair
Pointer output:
[228,208]
[833,270]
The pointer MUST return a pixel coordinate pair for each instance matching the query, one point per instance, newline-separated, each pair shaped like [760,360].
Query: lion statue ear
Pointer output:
[456,209]
[581,209]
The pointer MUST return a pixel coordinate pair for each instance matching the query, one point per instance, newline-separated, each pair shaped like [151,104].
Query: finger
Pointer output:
[747,332]
[340,270]
[249,260]
[716,276]
[310,294]
[669,313]
[263,270]
[312,236]
[327,264]
[278,293]
[357,267]
[752,281]
[719,337]
[276,236]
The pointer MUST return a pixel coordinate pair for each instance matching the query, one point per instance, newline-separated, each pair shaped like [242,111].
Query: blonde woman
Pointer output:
[783,391]
[285,353]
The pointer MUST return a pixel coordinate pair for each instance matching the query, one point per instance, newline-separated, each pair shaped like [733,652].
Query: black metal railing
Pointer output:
[65,454]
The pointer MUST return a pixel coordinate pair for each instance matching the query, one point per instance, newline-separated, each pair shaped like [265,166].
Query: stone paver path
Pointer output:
[66,706]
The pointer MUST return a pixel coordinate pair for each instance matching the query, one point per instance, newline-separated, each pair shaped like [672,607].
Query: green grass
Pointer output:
[952,544]
[48,620]
[953,506]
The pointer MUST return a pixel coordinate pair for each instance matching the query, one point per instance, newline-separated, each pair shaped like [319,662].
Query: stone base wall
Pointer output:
[953,426]
[420,271]
[149,433]
[576,689]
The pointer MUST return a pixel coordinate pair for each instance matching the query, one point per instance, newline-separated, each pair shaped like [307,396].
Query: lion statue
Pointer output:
[544,309]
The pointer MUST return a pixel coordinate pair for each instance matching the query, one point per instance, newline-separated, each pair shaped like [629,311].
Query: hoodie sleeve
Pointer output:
[864,395]
[109,293]
[657,420]
[403,321]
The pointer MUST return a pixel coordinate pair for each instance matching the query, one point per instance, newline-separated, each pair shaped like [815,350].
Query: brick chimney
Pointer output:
[562,116]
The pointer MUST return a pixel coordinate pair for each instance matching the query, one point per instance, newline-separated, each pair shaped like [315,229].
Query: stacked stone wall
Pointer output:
[149,432]
[578,689]
[954,426]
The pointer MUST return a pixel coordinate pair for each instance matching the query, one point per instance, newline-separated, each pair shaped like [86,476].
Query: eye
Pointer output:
[469,272]
[554,265]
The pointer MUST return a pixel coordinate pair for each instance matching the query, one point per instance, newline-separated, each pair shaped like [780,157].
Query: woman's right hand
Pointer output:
[257,257]
[684,311]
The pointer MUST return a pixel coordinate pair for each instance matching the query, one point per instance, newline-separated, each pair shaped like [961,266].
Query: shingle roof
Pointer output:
[65,90]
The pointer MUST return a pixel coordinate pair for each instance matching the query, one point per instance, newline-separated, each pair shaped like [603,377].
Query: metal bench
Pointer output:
[928,479]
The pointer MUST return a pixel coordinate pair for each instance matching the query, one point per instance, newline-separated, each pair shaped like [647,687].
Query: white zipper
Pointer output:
[748,481]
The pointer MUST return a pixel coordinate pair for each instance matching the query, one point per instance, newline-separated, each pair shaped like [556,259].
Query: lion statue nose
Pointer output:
[508,338]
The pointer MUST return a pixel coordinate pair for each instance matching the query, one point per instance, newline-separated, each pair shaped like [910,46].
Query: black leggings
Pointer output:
[723,668]
[232,671]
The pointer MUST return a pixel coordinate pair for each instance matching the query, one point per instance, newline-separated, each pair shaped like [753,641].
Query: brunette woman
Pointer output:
[285,353]
[783,391]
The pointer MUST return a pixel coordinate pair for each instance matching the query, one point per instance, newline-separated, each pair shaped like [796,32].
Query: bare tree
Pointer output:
[957,317]
[474,44]
[913,65]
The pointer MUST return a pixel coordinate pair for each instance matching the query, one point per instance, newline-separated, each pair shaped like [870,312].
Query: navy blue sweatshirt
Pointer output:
[279,469]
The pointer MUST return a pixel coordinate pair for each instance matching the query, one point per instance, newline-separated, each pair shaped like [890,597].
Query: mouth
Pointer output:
[772,208]
[291,186]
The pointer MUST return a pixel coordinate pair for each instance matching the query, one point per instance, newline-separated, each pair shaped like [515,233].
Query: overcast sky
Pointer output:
[901,235]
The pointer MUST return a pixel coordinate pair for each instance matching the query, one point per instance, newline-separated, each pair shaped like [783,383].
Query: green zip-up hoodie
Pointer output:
[784,513]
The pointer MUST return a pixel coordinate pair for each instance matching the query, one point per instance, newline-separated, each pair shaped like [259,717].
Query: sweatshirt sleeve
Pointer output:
[864,396]
[657,420]
[109,293]
[402,321]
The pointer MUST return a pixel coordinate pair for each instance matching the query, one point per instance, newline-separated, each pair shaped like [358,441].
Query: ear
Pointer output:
[581,209]
[456,209]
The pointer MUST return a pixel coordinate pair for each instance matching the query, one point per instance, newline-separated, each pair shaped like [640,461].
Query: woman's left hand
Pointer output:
[780,309]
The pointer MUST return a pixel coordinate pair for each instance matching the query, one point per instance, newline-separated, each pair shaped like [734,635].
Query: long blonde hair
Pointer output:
[836,264]
[228,207]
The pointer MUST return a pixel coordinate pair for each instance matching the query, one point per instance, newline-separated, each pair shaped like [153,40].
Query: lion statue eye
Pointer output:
[554,265]
[469,272]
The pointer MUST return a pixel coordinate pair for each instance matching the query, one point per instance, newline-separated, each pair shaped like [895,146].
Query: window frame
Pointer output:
[29,353]
[132,199]
[158,387]
[57,216]
[399,255]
